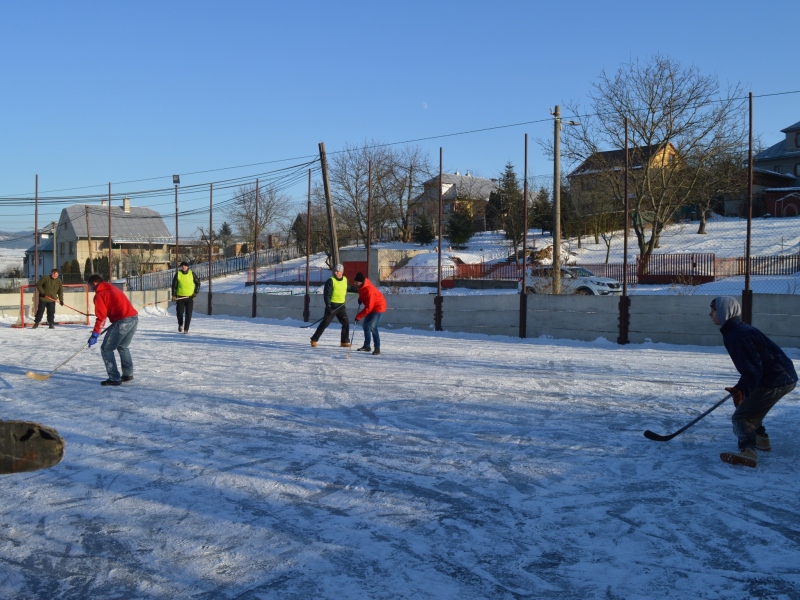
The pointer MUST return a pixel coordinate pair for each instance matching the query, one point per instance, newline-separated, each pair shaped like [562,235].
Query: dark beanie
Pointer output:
[184,264]
[359,277]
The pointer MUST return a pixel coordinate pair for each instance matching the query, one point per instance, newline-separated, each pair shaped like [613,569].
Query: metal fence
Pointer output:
[163,279]
[685,269]
[289,275]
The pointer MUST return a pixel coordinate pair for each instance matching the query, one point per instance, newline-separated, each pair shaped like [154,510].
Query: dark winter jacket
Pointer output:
[48,286]
[760,362]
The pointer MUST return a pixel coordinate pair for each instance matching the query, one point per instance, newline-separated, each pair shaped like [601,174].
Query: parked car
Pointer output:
[574,280]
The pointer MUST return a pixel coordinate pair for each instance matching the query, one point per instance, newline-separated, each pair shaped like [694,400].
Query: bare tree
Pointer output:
[397,178]
[680,123]
[273,207]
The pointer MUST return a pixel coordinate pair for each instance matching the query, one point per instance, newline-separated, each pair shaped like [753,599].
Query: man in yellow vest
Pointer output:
[335,295]
[185,286]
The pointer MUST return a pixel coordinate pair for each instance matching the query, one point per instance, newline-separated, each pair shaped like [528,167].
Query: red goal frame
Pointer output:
[67,286]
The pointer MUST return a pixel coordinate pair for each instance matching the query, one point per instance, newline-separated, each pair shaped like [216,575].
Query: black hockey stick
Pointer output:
[333,312]
[665,438]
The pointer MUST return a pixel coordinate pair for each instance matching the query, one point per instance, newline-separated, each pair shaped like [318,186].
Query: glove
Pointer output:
[328,308]
[61,302]
[357,320]
[93,338]
[737,396]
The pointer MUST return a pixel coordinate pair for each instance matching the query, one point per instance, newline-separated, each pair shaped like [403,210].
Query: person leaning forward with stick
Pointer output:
[110,302]
[335,295]
[767,375]
[49,288]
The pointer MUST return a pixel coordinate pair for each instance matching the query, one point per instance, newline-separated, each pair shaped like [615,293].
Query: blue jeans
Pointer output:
[750,413]
[370,325]
[118,337]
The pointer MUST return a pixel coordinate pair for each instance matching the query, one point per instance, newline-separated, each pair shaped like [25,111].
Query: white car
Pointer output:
[574,280]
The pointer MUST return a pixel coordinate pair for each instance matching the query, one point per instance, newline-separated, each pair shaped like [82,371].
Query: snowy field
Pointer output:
[725,237]
[242,463]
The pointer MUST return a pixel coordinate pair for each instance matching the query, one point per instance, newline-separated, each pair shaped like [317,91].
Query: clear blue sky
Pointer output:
[98,92]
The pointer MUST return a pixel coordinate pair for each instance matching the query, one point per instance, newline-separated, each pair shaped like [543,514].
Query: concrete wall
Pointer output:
[666,319]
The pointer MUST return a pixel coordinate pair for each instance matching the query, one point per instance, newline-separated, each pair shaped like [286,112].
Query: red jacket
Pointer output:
[110,302]
[371,298]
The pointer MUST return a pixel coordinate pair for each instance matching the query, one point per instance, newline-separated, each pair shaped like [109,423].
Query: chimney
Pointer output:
[126,204]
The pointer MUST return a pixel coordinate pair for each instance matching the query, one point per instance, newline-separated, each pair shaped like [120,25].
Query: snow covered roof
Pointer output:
[138,225]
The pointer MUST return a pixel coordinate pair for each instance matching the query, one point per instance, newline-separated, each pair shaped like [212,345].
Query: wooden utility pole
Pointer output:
[329,204]
[109,233]
[255,252]
[523,296]
[36,234]
[210,241]
[369,215]
[89,238]
[437,315]
[307,298]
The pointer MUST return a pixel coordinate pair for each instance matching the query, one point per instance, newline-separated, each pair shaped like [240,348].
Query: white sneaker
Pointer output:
[762,443]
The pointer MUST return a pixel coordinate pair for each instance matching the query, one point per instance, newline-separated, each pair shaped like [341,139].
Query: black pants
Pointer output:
[51,311]
[184,306]
[340,314]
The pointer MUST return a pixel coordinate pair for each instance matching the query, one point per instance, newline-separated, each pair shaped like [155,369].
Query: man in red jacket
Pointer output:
[374,307]
[110,302]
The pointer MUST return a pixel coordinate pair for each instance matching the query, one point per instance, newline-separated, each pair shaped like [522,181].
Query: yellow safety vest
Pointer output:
[185,283]
[339,292]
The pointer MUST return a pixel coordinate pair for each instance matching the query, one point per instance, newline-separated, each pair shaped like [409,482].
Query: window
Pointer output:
[797,170]
[777,168]
[797,140]
[61,248]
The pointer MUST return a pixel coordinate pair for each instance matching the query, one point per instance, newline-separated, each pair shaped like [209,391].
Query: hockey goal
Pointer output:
[76,309]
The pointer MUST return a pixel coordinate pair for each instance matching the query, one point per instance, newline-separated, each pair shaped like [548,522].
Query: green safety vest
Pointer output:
[185,283]
[339,292]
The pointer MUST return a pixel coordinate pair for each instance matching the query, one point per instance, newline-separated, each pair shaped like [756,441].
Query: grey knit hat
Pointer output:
[339,267]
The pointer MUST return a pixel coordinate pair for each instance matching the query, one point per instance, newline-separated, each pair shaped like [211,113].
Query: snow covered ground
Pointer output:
[242,463]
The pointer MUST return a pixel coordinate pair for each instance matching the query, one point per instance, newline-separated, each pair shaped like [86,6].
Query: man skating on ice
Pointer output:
[49,288]
[767,375]
[111,302]
[335,294]
[185,286]
[374,307]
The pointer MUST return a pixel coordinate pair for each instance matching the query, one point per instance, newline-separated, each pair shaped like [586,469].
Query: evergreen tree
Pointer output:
[87,269]
[460,227]
[75,271]
[424,233]
[505,209]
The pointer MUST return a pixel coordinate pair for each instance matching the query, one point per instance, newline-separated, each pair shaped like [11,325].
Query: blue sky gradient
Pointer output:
[98,92]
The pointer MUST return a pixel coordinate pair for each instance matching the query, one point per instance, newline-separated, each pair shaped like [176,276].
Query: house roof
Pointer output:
[771,178]
[795,127]
[775,151]
[138,226]
[602,161]
[462,186]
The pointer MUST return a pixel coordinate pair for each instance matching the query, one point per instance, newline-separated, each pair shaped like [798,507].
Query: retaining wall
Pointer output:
[668,319]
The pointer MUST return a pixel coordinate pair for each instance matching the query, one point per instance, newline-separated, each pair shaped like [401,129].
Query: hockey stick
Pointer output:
[352,337]
[665,438]
[72,308]
[333,312]
[40,377]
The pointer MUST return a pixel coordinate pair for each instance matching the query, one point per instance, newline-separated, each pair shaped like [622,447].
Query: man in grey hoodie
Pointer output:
[767,375]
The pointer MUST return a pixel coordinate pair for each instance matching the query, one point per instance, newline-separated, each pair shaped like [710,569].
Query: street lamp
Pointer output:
[176,180]
[556,112]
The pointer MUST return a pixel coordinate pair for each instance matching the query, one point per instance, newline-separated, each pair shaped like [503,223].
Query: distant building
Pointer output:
[457,191]
[781,194]
[140,239]
[46,256]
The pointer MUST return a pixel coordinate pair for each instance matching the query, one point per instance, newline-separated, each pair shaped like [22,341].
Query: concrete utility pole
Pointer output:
[329,205]
[557,200]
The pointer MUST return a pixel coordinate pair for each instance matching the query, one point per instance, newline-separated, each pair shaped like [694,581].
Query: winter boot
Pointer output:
[186,330]
[35,324]
[51,326]
[364,349]
[762,443]
[111,382]
[180,328]
[127,378]
[376,352]
[313,343]
[345,344]
[746,457]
